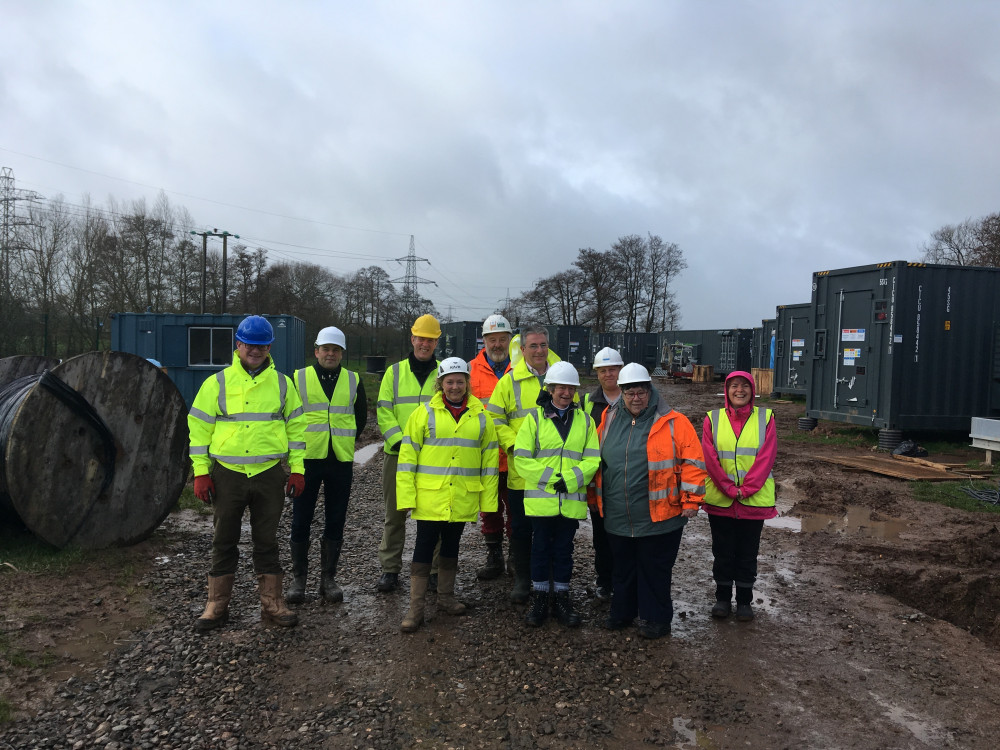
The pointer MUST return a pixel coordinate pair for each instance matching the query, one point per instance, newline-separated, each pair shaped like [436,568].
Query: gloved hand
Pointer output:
[560,485]
[296,485]
[204,488]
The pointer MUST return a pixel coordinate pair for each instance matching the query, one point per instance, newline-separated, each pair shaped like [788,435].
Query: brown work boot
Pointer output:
[446,601]
[216,614]
[419,575]
[272,604]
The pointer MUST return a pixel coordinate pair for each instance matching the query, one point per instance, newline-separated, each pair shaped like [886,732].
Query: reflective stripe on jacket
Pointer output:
[398,396]
[328,421]
[737,456]
[676,464]
[514,399]
[447,470]
[246,423]
[482,382]
[542,458]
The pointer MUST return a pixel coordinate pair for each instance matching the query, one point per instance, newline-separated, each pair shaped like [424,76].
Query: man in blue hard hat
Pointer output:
[244,420]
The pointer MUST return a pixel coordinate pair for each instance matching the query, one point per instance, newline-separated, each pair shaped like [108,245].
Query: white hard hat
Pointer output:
[607,357]
[633,372]
[496,324]
[562,373]
[453,365]
[331,335]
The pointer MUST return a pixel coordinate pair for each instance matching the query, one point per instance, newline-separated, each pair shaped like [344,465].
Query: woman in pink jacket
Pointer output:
[740,444]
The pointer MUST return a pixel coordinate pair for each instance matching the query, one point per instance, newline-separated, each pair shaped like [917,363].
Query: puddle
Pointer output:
[364,455]
[857,520]
[688,737]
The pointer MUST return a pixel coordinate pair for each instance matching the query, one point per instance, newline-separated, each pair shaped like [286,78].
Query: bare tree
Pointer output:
[600,274]
[953,244]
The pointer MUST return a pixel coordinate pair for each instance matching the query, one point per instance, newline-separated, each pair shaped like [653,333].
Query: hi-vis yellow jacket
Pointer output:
[448,470]
[328,422]
[737,456]
[542,457]
[398,396]
[247,424]
[514,399]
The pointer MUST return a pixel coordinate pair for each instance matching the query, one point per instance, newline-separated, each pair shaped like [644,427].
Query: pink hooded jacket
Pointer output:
[758,473]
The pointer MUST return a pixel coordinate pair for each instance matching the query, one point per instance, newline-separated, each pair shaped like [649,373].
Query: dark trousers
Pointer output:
[552,548]
[641,577]
[495,523]
[735,544]
[336,478]
[602,550]
[520,526]
[235,492]
[428,534]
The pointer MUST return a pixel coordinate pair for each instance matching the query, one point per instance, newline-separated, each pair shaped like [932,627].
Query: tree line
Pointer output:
[69,267]
[624,288]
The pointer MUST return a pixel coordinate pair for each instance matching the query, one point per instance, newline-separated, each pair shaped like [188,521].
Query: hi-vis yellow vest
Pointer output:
[328,422]
[736,456]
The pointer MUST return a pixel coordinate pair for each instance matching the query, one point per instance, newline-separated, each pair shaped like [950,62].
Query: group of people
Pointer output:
[504,439]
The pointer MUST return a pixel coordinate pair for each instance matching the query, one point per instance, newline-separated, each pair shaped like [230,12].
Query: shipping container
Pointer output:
[634,347]
[571,343]
[460,339]
[793,349]
[905,346]
[762,349]
[193,347]
[725,350]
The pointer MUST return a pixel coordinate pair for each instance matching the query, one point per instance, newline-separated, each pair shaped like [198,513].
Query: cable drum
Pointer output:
[94,452]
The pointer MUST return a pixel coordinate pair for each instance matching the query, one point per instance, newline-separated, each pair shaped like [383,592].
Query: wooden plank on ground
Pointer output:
[891,468]
[957,468]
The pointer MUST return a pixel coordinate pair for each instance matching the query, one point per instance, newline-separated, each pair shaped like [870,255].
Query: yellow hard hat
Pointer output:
[426,326]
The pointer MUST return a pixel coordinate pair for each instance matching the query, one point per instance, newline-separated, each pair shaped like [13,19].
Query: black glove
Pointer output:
[560,485]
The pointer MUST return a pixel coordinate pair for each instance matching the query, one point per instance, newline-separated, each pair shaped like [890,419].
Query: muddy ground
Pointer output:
[877,626]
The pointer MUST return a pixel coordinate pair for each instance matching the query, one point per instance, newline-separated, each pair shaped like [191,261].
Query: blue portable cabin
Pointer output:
[192,347]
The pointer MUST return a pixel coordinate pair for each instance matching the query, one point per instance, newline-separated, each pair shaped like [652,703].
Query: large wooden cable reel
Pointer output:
[56,462]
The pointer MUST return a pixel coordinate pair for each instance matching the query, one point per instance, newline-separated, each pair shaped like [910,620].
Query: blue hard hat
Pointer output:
[255,330]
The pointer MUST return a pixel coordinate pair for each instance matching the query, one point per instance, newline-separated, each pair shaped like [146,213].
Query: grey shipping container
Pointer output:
[193,347]
[725,350]
[572,343]
[634,347]
[793,349]
[905,346]
[762,349]
[460,339]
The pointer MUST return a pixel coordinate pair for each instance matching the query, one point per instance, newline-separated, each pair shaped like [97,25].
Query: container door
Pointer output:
[799,329]
[854,334]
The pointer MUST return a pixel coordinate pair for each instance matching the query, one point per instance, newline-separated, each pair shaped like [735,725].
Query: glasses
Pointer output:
[255,347]
[635,393]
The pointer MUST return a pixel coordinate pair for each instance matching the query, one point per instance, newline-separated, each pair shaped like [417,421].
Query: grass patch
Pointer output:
[850,435]
[19,658]
[950,494]
[187,501]
[29,554]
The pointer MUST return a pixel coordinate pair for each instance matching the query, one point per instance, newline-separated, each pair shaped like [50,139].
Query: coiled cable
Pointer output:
[13,395]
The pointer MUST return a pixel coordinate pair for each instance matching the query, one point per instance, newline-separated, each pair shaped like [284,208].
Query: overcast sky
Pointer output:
[768,139]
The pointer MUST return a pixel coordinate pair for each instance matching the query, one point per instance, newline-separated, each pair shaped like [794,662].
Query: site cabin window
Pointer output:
[210,347]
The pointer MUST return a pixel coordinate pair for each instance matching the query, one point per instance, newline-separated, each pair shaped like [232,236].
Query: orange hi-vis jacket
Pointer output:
[482,381]
[676,463]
